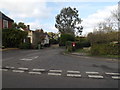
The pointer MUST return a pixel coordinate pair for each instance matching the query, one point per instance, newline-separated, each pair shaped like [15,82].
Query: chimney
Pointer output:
[28,27]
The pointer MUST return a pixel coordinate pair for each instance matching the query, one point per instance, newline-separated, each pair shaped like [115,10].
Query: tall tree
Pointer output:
[21,25]
[53,35]
[68,21]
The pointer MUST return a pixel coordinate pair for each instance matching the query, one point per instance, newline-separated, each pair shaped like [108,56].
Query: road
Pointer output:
[49,68]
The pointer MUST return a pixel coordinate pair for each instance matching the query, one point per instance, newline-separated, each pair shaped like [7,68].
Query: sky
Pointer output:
[41,13]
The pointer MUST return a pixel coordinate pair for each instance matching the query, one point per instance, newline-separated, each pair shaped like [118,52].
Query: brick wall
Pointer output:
[10,24]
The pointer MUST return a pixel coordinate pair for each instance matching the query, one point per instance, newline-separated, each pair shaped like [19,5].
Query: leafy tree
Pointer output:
[67,21]
[14,25]
[21,25]
[102,37]
[13,37]
[64,38]
[53,35]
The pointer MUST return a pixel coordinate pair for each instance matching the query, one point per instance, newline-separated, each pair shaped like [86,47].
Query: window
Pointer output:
[5,24]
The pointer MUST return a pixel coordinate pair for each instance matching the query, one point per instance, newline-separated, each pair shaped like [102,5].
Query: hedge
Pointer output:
[105,49]
[25,46]
[64,38]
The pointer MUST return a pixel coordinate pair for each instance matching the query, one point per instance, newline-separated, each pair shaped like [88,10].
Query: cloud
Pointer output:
[36,13]
[25,8]
[47,27]
[82,0]
[92,20]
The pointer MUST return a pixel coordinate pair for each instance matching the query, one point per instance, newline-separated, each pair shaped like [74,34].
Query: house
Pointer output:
[36,37]
[46,40]
[5,21]
[40,37]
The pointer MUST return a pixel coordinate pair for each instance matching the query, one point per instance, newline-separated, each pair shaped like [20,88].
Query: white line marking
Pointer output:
[3,69]
[38,69]
[74,75]
[92,72]
[95,76]
[29,58]
[25,59]
[112,73]
[57,74]
[19,71]
[115,77]
[36,56]
[23,68]
[34,72]
[9,67]
[55,70]
[73,71]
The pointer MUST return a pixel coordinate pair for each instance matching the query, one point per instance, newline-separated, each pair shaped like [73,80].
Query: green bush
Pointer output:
[69,46]
[13,37]
[64,38]
[82,44]
[79,45]
[25,46]
[104,49]
[53,41]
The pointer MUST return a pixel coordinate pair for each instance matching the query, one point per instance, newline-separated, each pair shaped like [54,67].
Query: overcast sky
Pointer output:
[41,13]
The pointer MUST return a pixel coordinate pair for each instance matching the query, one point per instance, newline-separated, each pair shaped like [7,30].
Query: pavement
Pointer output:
[5,49]
[86,55]
[48,68]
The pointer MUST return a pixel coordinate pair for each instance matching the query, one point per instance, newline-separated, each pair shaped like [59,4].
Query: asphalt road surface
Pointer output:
[49,68]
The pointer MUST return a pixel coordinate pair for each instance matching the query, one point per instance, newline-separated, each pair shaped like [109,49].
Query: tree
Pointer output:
[53,35]
[21,25]
[68,21]
[13,37]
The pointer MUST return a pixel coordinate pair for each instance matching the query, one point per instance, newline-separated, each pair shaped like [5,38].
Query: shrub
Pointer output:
[53,41]
[104,49]
[69,46]
[13,37]
[25,46]
[64,38]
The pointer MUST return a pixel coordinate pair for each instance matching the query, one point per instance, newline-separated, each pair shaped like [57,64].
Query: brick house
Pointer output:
[5,21]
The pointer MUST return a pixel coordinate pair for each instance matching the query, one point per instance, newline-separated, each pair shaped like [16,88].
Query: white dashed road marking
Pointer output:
[95,76]
[73,71]
[55,70]
[19,71]
[34,72]
[116,77]
[3,69]
[23,68]
[29,58]
[9,67]
[56,74]
[112,73]
[38,70]
[73,75]
[92,72]
[25,59]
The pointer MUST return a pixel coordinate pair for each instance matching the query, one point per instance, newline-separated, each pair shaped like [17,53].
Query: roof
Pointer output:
[6,17]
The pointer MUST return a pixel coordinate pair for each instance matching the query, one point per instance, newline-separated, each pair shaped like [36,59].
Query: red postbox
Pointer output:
[73,44]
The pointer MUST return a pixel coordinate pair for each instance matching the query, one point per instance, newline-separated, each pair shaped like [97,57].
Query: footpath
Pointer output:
[87,56]
[5,49]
